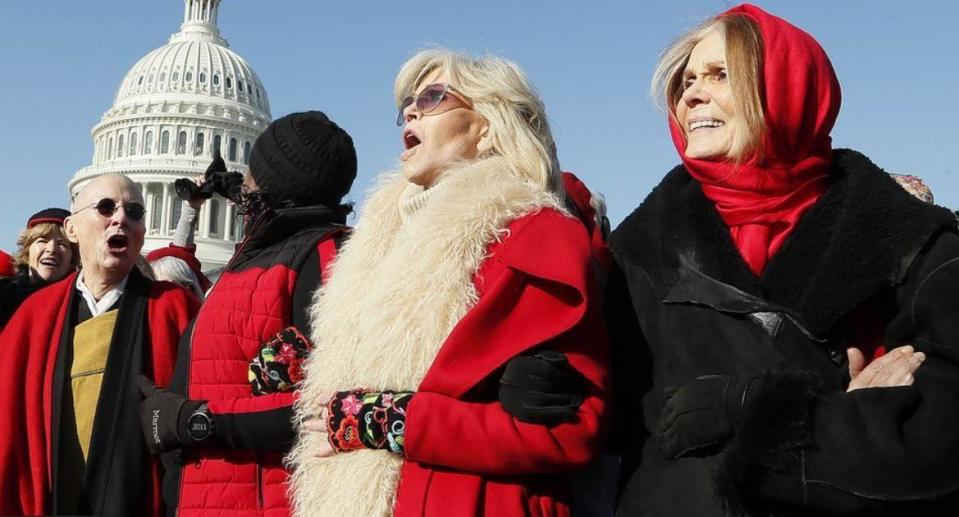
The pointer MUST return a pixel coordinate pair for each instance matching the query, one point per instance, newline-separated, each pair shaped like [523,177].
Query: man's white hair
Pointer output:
[172,269]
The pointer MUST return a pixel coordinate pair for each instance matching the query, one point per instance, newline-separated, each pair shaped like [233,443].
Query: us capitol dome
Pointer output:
[173,108]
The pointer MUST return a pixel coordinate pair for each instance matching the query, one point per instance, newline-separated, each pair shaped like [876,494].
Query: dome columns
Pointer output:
[200,11]
[228,221]
[205,220]
[216,219]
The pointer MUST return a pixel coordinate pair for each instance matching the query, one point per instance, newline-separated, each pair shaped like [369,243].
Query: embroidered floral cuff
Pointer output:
[360,419]
[279,364]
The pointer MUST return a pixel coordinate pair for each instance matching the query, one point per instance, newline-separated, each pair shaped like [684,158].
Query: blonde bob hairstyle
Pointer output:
[21,260]
[744,70]
[501,93]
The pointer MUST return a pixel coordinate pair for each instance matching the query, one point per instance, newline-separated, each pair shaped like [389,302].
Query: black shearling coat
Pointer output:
[868,265]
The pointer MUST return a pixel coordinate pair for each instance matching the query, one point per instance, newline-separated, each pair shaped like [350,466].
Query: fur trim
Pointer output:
[772,430]
[397,289]
[677,219]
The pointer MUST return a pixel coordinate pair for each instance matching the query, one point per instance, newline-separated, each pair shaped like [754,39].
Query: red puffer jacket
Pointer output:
[261,292]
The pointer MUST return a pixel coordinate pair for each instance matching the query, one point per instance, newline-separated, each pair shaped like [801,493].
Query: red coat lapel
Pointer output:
[540,280]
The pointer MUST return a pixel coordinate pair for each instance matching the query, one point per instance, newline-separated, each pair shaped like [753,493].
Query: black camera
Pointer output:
[216,180]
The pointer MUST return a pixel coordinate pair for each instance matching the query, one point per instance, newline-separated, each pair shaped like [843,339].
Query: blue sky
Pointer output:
[62,62]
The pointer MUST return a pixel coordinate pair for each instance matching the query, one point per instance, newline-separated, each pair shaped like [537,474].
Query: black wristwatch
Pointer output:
[199,427]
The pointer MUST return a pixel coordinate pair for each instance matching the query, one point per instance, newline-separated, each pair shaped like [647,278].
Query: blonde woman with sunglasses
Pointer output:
[463,259]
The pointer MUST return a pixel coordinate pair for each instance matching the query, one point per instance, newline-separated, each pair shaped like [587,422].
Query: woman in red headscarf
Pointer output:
[784,315]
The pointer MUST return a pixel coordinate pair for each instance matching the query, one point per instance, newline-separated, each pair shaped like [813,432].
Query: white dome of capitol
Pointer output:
[175,108]
[196,61]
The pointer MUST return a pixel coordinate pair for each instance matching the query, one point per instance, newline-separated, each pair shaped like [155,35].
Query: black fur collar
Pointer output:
[853,242]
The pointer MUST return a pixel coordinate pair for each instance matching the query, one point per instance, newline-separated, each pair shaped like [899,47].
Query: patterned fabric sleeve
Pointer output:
[360,419]
[278,365]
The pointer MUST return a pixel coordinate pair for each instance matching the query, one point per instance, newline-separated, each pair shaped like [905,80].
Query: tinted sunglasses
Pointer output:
[107,207]
[426,101]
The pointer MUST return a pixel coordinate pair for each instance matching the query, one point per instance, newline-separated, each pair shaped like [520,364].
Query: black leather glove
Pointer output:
[701,414]
[541,388]
[163,417]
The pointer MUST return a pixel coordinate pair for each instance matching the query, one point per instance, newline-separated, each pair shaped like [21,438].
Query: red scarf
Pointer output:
[762,202]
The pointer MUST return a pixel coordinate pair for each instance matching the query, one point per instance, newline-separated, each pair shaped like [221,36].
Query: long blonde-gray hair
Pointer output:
[501,93]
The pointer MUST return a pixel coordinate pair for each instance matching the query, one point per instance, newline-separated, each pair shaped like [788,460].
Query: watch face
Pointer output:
[198,426]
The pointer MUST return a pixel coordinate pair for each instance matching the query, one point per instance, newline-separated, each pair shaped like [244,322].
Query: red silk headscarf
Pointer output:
[762,202]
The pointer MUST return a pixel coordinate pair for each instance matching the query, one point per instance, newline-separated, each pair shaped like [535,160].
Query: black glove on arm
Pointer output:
[163,417]
[701,413]
[541,388]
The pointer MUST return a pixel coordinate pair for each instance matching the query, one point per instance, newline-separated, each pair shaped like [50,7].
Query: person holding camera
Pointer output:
[177,262]
[228,414]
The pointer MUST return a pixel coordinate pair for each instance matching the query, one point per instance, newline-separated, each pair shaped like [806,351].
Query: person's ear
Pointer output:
[485,144]
[70,229]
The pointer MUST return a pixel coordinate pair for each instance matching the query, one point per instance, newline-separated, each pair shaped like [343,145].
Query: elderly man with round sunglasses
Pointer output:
[72,443]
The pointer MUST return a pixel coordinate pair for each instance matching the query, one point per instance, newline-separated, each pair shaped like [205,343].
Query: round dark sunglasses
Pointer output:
[426,101]
[107,207]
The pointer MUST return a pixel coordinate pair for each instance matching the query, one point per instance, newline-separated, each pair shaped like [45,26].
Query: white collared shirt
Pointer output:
[99,307]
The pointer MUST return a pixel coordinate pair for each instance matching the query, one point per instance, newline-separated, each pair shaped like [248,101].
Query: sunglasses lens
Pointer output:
[430,98]
[106,207]
[135,211]
[400,117]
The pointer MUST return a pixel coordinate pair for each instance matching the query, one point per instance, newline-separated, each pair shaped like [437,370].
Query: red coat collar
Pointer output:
[542,280]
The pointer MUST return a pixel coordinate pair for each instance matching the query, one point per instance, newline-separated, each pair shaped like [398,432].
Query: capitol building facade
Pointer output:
[174,107]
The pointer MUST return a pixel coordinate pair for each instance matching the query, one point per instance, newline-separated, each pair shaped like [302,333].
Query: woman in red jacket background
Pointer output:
[463,260]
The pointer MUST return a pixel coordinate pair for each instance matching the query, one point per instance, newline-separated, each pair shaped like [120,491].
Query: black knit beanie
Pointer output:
[304,159]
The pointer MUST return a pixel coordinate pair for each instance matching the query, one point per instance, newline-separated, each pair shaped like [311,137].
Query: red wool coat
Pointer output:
[30,344]
[538,287]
